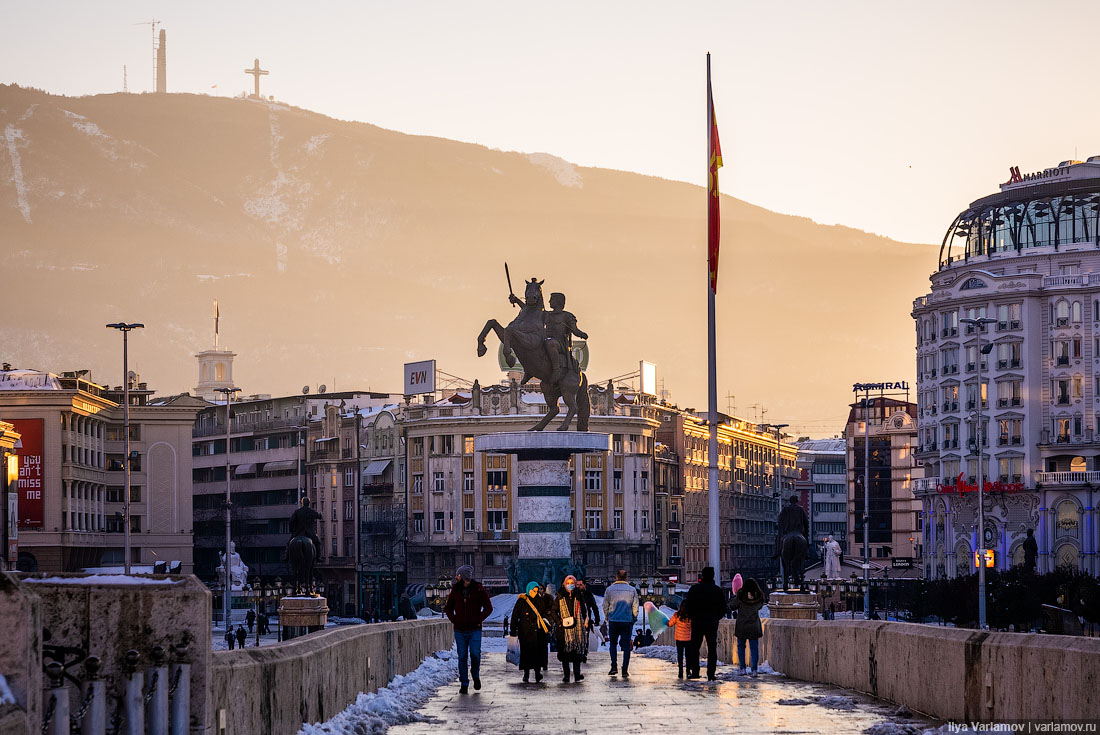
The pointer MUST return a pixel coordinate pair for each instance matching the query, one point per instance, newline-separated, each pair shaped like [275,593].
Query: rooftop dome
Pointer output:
[1049,208]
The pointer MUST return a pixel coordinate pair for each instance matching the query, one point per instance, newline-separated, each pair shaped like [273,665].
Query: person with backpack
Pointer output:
[681,624]
[747,602]
[530,626]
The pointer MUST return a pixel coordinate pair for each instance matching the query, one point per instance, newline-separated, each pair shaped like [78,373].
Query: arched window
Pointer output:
[1076,309]
[219,372]
[1067,556]
[1066,519]
[1061,311]
[1077,464]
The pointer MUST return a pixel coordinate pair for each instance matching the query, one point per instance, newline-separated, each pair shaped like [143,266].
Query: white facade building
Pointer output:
[1029,259]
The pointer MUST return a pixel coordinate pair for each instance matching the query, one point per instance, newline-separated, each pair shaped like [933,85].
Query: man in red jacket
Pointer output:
[467,607]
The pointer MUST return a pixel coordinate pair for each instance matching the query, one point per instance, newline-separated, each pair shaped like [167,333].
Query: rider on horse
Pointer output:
[792,519]
[561,325]
[303,522]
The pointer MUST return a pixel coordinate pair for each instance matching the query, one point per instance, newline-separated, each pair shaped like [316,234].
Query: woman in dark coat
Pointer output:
[530,626]
[570,616]
[747,602]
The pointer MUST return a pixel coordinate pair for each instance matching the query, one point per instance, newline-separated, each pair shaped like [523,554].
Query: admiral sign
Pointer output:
[897,385]
[961,486]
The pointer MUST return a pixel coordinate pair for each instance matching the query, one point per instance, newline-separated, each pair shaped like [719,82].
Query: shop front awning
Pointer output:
[245,469]
[375,468]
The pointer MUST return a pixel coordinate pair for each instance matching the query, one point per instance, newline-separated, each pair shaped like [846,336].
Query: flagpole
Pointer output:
[712,375]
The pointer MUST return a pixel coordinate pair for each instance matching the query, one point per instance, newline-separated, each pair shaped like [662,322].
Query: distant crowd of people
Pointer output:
[239,636]
[564,622]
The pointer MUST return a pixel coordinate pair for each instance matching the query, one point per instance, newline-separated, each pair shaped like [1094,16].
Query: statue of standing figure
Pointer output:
[832,558]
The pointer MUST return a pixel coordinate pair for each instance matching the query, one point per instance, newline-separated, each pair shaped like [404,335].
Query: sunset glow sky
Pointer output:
[888,117]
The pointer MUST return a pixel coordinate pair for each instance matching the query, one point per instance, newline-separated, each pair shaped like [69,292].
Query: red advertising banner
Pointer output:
[32,476]
[962,486]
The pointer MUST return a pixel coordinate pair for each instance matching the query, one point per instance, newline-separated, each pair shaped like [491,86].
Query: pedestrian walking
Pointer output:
[263,624]
[241,636]
[250,618]
[680,622]
[747,603]
[530,626]
[230,640]
[590,600]
[467,607]
[570,617]
[708,607]
[620,607]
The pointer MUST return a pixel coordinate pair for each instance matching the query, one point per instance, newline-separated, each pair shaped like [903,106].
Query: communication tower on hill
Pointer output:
[153,24]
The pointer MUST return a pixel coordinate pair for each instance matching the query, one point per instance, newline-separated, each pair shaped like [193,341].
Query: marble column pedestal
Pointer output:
[543,492]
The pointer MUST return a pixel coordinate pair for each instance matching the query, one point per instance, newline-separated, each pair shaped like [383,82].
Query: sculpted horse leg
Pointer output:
[551,393]
[502,334]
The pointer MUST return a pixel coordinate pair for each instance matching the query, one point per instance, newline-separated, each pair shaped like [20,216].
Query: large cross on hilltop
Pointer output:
[256,73]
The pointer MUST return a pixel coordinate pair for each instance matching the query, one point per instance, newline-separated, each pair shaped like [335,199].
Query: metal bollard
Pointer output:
[156,694]
[94,721]
[56,719]
[134,710]
[180,707]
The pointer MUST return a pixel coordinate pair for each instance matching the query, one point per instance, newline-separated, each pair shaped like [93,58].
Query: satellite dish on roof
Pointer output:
[305,390]
[322,388]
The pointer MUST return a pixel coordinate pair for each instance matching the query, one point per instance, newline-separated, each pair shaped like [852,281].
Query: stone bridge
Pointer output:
[840,676]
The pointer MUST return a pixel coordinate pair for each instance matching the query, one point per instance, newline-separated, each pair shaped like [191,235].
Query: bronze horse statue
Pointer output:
[524,338]
[792,550]
[301,553]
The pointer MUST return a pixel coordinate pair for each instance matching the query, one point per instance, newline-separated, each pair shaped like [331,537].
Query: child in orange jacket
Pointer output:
[681,621]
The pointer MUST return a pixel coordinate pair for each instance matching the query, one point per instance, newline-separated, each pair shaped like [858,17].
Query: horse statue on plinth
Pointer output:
[302,551]
[541,341]
[792,544]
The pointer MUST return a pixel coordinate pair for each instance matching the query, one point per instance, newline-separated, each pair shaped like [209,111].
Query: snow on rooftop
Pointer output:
[102,579]
[28,380]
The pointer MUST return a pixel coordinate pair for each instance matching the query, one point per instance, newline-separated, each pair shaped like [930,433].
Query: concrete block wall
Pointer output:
[274,689]
[950,673]
[108,619]
[20,655]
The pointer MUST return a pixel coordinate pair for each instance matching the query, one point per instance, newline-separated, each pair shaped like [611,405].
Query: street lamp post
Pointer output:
[983,350]
[126,329]
[228,505]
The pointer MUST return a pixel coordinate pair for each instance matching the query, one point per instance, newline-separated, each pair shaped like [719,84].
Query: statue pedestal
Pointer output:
[794,605]
[542,515]
[301,615]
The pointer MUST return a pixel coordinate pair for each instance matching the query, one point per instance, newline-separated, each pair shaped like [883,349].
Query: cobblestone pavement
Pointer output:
[653,700]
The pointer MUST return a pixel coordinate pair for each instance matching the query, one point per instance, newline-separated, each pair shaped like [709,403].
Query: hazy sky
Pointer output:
[885,116]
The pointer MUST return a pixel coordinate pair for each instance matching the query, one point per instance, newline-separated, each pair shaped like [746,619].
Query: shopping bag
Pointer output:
[593,640]
[512,656]
[658,621]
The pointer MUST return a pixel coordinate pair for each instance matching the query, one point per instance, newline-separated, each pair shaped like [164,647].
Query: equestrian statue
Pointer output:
[791,543]
[304,548]
[542,342]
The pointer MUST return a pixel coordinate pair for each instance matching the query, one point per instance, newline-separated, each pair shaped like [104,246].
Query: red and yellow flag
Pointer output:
[714,162]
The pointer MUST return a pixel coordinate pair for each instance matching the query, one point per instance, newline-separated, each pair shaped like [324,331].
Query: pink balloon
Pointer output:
[737,583]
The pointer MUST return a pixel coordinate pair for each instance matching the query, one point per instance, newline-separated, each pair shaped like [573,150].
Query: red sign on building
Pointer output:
[962,486]
[32,476]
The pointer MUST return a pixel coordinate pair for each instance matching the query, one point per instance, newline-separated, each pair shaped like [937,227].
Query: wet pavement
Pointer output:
[653,700]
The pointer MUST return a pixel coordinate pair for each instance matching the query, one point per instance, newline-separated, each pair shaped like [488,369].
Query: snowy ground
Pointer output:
[397,703]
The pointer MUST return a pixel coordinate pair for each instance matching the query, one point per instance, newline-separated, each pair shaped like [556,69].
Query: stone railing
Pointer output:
[97,654]
[274,689]
[1067,478]
[950,673]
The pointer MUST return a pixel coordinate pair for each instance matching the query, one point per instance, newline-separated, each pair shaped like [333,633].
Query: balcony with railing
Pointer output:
[493,535]
[589,534]
[1067,478]
[674,526]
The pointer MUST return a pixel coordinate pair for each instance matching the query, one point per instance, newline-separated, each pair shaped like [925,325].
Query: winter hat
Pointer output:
[465,572]
[708,574]
[568,579]
[532,586]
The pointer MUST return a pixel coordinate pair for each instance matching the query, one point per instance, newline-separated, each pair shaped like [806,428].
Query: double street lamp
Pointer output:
[979,436]
[226,603]
[126,329]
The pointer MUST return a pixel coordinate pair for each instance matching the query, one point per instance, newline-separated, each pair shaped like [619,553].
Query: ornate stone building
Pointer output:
[1027,259]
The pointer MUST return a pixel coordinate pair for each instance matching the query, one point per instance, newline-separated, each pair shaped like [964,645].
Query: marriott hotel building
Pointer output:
[1027,257]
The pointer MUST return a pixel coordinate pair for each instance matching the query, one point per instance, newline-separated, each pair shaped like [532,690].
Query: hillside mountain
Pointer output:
[340,250]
